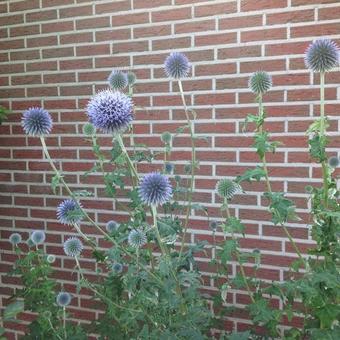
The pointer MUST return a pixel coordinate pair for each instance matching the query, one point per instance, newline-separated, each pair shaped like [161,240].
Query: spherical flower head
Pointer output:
[89,129]
[260,82]
[131,77]
[155,189]
[137,238]
[227,188]
[334,162]
[63,299]
[166,137]
[213,225]
[177,65]
[111,226]
[117,268]
[36,122]
[69,212]
[118,80]
[187,168]
[50,258]
[15,239]
[110,111]
[38,237]
[73,247]
[322,55]
[169,168]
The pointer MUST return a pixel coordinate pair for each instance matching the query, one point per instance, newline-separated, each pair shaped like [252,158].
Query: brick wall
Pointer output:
[58,53]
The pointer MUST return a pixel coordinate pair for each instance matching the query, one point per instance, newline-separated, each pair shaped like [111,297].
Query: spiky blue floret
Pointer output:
[38,237]
[169,168]
[118,80]
[111,226]
[15,239]
[334,162]
[155,189]
[260,82]
[213,225]
[227,188]
[50,258]
[69,212]
[36,122]
[110,111]
[63,299]
[137,238]
[117,268]
[73,247]
[177,65]
[322,55]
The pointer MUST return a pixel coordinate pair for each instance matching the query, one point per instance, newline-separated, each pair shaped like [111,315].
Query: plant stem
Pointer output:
[134,173]
[322,135]
[269,189]
[238,255]
[193,165]
[64,321]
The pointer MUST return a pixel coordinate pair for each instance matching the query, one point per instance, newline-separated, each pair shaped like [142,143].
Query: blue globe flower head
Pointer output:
[177,65]
[131,76]
[260,82]
[118,80]
[73,247]
[111,226]
[36,122]
[110,111]
[69,212]
[322,55]
[51,258]
[213,225]
[15,239]
[155,189]
[137,238]
[38,237]
[117,268]
[333,162]
[169,168]
[63,299]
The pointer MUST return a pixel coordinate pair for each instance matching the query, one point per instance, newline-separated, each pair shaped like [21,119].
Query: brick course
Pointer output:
[58,53]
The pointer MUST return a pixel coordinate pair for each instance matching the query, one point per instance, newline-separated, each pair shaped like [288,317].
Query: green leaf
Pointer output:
[239,336]
[13,309]
[252,175]
[55,182]
[317,147]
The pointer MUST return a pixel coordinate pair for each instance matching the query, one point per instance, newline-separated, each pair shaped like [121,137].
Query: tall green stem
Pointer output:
[322,136]
[265,168]
[193,165]
[237,254]
[64,321]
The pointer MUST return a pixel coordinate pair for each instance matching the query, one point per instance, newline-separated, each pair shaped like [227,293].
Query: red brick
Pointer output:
[172,43]
[312,2]
[250,5]
[239,52]
[42,15]
[291,16]
[77,11]
[42,41]
[315,30]
[57,27]
[113,35]
[215,9]
[131,19]
[199,26]
[24,30]
[58,52]
[112,7]
[216,39]
[99,50]
[23,5]
[266,34]
[150,31]
[240,22]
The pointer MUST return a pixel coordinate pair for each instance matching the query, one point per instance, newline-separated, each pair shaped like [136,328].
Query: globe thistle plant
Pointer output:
[36,122]
[63,299]
[177,65]
[89,129]
[131,77]
[50,258]
[69,212]
[334,162]
[155,189]
[227,188]
[73,247]
[117,268]
[118,80]
[322,55]
[260,82]
[111,226]
[38,237]
[166,137]
[110,111]
[169,168]
[137,238]
[15,239]
[213,225]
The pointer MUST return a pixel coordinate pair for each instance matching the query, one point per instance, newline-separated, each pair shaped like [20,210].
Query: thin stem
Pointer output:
[193,165]
[269,189]
[64,321]
[322,135]
[238,256]
[54,331]
[134,173]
